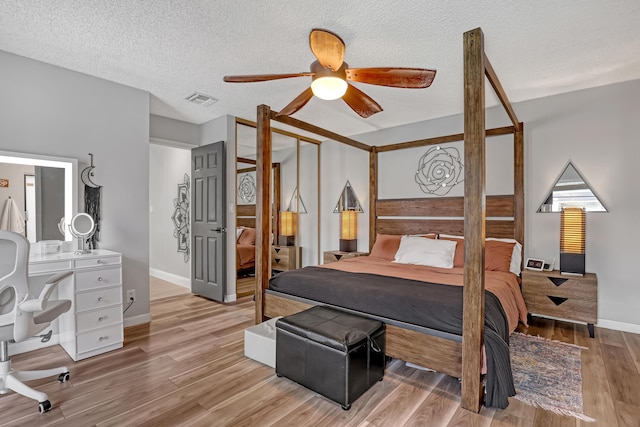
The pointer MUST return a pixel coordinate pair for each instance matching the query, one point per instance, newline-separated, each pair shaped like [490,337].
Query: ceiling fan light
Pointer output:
[329,88]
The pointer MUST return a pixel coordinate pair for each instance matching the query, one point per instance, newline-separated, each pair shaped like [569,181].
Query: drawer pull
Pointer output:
[557,300]
[100,261]
[103,338]
[101,318]
[99,279]
[100,299]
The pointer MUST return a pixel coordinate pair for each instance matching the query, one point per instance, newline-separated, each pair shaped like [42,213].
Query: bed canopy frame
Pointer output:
[461,359]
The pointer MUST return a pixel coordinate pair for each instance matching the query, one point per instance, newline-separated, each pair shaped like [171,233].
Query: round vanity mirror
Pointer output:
[82,227]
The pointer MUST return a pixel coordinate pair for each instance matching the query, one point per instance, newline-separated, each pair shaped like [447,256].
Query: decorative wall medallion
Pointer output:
[180,217]
[247,188]
[439,169]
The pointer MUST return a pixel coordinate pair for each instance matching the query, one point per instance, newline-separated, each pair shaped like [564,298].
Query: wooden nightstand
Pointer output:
[550,293]
[333,256]
[284,258]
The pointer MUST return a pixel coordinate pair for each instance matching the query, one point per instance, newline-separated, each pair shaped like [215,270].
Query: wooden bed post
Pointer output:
[518,185]
[373,194]
[474,220]
[263,208]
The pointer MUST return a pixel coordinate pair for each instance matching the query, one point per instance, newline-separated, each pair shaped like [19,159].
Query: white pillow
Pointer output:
[423,251]
[516,255]
[239,231]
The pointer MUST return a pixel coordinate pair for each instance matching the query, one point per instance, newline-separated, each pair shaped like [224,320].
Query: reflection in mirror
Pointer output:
[571,190]
[295,240]
[43,189]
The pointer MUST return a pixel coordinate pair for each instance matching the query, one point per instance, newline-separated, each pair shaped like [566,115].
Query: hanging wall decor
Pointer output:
[247,188]
[439,169]
[180,217]
[92,196]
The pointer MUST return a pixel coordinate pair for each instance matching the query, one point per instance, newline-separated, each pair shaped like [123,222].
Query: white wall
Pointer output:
[595,128]
[167,168]
[49,110]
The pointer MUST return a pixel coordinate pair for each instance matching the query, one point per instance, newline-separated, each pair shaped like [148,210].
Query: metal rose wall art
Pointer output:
[247,188]
[439,169]
[180,217]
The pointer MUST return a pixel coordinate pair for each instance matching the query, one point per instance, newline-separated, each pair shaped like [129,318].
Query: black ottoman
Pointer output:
[334,353]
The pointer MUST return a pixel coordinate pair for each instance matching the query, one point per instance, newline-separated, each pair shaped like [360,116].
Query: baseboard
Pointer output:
[618,326]
[185,282]
[137,320]
[230,298]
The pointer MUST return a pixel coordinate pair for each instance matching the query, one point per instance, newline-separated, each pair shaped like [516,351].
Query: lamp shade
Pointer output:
[572,240]
[287,223]
[349,225]
[572,231]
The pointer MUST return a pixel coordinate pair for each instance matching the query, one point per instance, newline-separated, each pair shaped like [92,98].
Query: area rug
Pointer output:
[547,374]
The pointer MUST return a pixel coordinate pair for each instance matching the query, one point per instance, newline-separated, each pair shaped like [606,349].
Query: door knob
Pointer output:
[219,229]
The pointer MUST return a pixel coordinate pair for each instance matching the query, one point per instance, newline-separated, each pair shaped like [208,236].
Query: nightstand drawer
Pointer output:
[583,287]
[283,258]
[563,307]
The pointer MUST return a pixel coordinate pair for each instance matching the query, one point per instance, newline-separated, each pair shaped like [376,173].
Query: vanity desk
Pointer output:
[94,323]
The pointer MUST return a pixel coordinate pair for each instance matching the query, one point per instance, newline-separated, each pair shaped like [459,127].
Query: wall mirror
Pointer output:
[44,188]
[295,172]
[571,190]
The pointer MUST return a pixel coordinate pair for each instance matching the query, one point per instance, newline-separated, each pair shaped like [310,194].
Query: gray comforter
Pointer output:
[430,305]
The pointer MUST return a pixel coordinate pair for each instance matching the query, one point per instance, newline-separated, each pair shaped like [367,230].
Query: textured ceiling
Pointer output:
[172,48]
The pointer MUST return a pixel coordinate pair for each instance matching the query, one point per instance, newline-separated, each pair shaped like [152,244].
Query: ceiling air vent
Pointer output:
[201,99]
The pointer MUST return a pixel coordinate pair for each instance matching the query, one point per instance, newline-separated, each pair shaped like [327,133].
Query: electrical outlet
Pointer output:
[131,295]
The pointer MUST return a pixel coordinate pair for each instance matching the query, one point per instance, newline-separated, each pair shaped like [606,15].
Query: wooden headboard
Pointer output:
[450,214]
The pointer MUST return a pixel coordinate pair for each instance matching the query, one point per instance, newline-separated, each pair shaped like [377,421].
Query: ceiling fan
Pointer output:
[330,74]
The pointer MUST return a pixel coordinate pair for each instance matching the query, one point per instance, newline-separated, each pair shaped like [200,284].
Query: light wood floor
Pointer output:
[187,368]
[159,289]
[245,286]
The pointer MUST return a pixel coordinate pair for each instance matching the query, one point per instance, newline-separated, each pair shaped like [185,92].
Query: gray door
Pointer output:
[208,220]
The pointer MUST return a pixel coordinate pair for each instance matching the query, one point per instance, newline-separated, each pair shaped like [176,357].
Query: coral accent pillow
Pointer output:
[497,254]
[248,237]
[386,246]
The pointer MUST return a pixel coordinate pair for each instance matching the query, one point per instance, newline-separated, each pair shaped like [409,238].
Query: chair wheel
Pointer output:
[346,407]
[63,378]
[278,375]
[44,406]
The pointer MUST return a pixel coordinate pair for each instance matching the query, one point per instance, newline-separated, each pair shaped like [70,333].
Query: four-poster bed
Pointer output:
[461,358]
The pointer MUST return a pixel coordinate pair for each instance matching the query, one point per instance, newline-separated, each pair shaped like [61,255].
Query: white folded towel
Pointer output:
[12,218]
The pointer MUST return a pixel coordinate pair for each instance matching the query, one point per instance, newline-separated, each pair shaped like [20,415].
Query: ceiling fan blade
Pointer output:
[360,102]
[394,76]
[262,77]
[328,48]
[297,103]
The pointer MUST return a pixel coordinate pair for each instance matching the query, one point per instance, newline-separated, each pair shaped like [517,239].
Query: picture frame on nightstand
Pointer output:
[534,264]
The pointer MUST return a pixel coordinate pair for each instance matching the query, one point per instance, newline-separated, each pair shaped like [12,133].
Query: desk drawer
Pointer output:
[89,320]
[98,338]
[96,279]
[97,262]
[49,267]
[98,299]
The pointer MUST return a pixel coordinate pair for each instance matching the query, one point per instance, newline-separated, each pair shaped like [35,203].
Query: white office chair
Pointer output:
[23,316]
